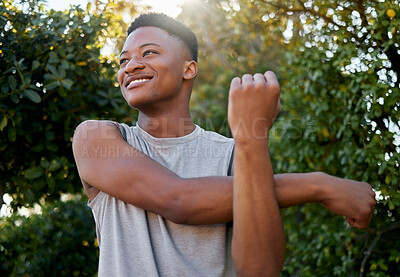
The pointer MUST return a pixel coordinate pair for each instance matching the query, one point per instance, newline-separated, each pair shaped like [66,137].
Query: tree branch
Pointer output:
[374,242]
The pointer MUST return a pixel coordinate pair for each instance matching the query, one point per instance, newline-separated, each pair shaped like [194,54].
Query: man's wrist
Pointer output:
[247,132]
[250,143]
[322,186]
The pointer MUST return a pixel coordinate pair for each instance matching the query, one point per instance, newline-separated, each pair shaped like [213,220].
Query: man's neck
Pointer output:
[167,126]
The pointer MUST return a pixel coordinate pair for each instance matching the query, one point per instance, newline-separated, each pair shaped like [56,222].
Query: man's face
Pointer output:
[151,68]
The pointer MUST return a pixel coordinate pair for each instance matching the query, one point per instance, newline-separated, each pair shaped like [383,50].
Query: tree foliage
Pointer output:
[58,242]
[52,77]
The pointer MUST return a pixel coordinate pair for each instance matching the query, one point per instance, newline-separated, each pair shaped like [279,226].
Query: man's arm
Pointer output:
[106,162]
[258,243]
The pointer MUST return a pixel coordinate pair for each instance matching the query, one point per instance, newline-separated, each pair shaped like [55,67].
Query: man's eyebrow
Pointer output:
[147,44]
[123,52]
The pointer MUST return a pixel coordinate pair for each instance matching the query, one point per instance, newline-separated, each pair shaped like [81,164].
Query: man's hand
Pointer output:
[352,199]
[254,103]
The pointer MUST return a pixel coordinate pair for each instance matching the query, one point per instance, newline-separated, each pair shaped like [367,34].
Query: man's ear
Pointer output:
[190,70]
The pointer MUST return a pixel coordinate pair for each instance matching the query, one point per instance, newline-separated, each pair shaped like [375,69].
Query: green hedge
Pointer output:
[58,242]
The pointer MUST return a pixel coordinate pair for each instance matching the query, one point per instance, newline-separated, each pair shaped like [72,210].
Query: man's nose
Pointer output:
[133,64]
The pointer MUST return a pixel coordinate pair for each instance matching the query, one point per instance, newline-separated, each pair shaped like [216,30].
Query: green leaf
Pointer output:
[33,173]
[12,135]
[35,65]
[70,56]
[52,147]
[34,87]
[65,64]
[61,51]
[67,83]
[44,162]
[15,98]
[103,102]
[54,165]
[37,148]
[52,85]
[29,195]
[49,76]
[52,69]
[62,72]
[33,95]
[390,204]
[3,147]
[53,58]
[12,82]
[3,123]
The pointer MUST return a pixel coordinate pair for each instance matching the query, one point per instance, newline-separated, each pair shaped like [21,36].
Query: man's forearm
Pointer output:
[299,188]
[209,200]
[258,242]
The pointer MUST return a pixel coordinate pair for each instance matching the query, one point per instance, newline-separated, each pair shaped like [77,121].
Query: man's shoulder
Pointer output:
[90,131]
[94,125]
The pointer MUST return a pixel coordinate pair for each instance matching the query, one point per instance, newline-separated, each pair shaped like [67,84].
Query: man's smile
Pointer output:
[136,80]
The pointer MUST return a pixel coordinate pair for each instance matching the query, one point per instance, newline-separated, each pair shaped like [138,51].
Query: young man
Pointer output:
[159,191]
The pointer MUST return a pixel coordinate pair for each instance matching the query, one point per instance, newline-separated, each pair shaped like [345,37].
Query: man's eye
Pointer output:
[149,52]
[122,61]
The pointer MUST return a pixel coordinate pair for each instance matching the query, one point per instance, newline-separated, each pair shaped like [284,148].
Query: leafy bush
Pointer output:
[53,76]
[58,242]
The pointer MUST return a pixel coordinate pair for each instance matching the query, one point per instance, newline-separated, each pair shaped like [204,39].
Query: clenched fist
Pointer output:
[254,103]
[352,199]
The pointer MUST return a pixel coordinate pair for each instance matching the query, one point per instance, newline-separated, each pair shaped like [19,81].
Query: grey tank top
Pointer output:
[135,242]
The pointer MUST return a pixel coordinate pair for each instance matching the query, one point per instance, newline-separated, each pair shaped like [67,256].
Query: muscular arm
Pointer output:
[107,163]
[258,243]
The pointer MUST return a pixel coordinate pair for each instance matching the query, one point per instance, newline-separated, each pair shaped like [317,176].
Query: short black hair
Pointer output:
[172,26]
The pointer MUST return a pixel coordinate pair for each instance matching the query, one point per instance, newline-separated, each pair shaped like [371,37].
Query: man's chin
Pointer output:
[138,105]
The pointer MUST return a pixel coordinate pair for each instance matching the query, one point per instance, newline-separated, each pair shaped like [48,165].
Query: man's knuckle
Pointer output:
[275,87]
[248,87]
[259,86]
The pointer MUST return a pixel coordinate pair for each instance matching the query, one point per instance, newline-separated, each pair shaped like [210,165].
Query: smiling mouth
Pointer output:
[137,82]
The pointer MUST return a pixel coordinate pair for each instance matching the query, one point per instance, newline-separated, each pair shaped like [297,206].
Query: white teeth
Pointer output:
[137,81]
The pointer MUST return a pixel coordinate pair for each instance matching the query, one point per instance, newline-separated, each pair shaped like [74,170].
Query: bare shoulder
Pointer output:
[93,128]
[95,132]
[88,135]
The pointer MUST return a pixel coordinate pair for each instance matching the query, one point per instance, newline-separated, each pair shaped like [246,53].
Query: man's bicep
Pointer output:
[108,163]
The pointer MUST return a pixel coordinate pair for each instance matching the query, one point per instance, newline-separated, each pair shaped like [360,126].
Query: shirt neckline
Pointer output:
[168,141]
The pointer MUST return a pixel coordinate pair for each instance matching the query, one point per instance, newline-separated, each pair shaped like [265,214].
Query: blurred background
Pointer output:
[338,63]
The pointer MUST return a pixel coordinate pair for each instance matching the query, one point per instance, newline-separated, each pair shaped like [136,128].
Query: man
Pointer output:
[159,192]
